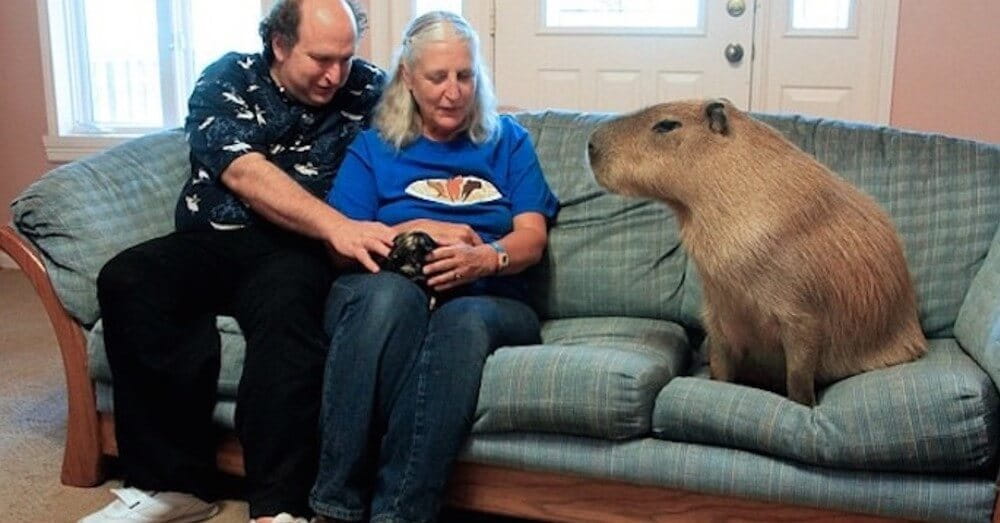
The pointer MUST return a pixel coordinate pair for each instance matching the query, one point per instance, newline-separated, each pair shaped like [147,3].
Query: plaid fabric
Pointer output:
[593,377]
[978,326]
[82,214]
[733,472]
[607,255]
[937,414]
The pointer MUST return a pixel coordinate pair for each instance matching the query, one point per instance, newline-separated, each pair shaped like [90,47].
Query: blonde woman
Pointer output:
[401,379]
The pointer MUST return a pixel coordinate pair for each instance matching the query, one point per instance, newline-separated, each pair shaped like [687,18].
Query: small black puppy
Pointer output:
[409,250]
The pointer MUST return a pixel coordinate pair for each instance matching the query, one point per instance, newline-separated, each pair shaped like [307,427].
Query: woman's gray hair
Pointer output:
[283,21]
[397,116]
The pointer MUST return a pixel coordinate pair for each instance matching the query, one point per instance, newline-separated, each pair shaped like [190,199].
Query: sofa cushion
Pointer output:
[977,328]
[702,469]
[938,413]
[231,341]
[81,214]
[593,377]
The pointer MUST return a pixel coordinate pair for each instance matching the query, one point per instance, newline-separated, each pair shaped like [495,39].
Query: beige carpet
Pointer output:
[33,418]
[33,422]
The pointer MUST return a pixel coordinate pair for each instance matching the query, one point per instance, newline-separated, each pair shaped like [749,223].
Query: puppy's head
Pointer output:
[408,253]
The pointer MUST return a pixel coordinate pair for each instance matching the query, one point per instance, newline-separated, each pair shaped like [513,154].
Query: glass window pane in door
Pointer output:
[821,14]
[673,14]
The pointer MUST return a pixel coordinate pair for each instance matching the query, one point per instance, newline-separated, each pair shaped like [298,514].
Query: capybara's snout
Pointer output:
[600,153]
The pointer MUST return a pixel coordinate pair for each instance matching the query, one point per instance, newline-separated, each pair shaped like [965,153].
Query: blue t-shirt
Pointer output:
[480,185]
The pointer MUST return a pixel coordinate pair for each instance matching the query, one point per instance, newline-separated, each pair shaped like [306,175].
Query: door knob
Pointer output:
[736,7]
[734,53]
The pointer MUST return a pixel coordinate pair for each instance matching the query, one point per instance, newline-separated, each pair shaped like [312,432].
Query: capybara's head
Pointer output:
[661,151]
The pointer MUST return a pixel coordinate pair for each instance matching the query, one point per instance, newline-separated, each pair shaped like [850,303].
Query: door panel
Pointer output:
[623,69]
[833,72]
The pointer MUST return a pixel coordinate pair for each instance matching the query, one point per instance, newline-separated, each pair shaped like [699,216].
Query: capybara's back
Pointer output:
[804,275]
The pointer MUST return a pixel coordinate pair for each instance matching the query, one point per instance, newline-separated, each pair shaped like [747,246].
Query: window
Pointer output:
[821,16]
[665,14]
[120,68]
[423,6]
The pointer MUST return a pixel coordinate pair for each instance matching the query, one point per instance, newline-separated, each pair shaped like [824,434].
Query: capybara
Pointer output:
[804,277]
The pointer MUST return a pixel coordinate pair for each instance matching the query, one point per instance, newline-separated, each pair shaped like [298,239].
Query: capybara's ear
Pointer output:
[716,113]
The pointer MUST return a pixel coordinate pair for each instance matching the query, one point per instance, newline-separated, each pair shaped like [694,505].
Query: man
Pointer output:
[267,133]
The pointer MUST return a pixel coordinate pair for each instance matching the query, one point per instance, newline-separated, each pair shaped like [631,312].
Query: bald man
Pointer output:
[254,236]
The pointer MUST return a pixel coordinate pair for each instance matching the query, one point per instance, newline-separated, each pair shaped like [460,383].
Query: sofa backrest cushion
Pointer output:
[610,255]
[81,214]
[607,255]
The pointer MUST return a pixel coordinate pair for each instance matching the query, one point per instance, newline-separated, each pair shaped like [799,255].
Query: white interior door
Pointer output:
[603,55]
[830,58]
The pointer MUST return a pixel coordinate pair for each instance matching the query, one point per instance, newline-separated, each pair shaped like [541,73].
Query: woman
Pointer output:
[402,379]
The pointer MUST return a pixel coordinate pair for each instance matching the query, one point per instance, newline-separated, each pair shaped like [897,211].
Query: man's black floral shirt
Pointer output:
[237,108]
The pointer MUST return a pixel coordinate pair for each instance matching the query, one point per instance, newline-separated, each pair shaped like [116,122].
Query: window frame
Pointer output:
[851,31]
[66,86]
[544,28]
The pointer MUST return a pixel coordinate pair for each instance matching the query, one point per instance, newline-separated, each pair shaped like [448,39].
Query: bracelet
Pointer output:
[503,259]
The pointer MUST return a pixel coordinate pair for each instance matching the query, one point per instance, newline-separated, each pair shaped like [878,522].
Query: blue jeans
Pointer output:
[400,392]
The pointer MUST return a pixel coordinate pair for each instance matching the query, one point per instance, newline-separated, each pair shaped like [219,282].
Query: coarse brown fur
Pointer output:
[804,277]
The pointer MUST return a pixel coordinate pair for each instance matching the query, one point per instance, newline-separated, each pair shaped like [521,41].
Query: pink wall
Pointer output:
[948,68]
[946,78]
[22,102]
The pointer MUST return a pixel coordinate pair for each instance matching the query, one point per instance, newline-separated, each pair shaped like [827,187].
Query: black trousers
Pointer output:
[158,303]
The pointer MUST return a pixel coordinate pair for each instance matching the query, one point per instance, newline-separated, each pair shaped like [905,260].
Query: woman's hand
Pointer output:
[453,265]
[444,233]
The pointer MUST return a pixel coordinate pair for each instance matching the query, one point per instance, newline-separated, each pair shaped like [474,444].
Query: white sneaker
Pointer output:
[285,517]
[141,506]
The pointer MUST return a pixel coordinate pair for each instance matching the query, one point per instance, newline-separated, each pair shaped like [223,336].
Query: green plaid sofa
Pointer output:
[617,392]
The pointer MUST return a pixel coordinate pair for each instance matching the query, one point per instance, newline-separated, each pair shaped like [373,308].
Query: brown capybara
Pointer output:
[804,277]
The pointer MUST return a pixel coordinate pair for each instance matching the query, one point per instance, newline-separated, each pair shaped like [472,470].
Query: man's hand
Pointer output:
[444,233]
[357,240]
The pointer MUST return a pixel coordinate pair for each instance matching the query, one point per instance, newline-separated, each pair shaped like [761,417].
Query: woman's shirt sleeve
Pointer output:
[528,190]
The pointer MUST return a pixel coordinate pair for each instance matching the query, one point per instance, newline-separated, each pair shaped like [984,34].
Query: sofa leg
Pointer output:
[83,461]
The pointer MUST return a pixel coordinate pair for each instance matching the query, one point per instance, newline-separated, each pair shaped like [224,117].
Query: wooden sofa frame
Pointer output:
[90,440]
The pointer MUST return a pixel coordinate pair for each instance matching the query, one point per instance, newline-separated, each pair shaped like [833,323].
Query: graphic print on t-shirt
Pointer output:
[456,191]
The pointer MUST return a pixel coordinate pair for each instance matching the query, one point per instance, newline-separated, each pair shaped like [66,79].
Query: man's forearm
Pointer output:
[275,196]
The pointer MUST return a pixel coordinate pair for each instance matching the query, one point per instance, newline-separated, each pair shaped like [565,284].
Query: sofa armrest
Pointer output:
[82,459]
[977,327]
[80,215]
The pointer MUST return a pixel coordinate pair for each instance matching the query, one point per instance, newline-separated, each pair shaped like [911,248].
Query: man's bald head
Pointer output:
[286,16]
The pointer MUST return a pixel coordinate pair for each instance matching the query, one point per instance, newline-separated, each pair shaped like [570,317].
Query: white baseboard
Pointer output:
[6,262]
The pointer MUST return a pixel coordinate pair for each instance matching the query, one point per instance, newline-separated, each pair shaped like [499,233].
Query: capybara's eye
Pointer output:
[665,126]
